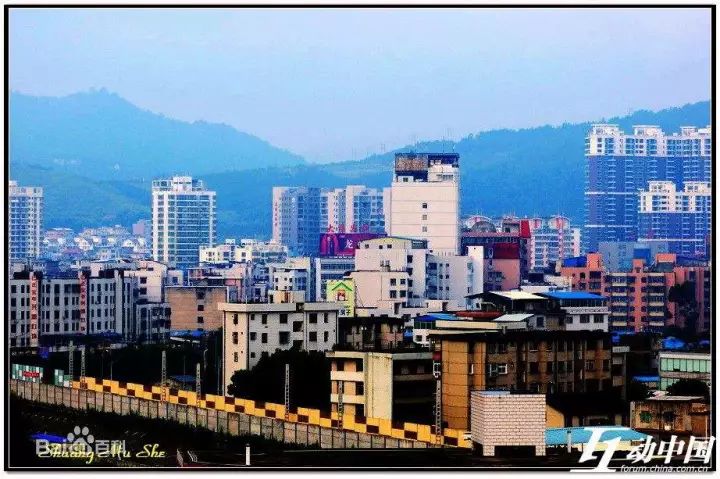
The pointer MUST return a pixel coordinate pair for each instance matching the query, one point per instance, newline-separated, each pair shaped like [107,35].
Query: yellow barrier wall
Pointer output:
[383,427]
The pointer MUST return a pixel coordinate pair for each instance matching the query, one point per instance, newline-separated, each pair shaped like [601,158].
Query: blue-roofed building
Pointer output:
[579,310]
[579,436]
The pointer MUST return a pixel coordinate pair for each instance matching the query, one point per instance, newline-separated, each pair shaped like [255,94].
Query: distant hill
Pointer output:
[529,171]
[100,135]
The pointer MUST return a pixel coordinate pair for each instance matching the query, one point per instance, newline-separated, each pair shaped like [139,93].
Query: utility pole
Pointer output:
[163,376]
[438,412]
[340,406]
[437,373]
[287,391]
[198,391]
[71,360]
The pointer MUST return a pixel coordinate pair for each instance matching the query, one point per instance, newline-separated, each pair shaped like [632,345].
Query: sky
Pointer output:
[338,84]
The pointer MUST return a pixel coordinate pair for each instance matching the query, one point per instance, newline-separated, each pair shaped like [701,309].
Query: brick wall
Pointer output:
[505,419]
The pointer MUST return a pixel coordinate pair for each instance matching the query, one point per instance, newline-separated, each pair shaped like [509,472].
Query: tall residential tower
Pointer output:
[618,165]
[24,221]
[183,219]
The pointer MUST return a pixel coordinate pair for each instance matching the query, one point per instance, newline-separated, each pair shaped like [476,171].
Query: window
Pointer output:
[424,229]
[200,319]
[200,294]
[549,367]
[598,318]
[424,206]
[534,368]
[200,307]
[359,389]
[584,318]
[590,365]
[393,281]
[235,318]
[235,338]
[409,258]
[263,338]
[283,318]
[313,317]
[540,321]
[263,319]
[253,336]
[326,336]
[284,337]
[235,357]
[312,336]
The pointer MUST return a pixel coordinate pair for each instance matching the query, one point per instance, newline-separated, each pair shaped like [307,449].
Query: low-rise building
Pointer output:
[253,330]
[196,307]
[371,333]
[663,416]
[677,365]
[505,423]
[396,385]
[519,360]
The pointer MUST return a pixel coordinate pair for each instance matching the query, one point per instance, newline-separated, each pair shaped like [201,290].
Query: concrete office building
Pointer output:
[253,330]
[682,219]
[196,307]
[329,268]
[395,276]
[618,165]
[247,250]
[25,217]
[51,308]
[395,385]
[537,361]
[425,200]
[183,220]
[676,365]
[618,255]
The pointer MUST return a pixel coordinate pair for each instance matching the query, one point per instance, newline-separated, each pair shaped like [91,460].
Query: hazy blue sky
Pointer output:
[330,84]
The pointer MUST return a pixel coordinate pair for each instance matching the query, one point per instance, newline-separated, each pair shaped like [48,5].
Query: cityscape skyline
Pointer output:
[260,102]
[183,293]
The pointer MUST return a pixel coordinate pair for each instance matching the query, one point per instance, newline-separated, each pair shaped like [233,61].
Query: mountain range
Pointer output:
[96,154]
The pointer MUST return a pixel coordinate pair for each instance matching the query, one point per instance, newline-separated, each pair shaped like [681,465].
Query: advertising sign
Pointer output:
[342,291]
[23,372]
[342,244]
[34,314]
[83,302]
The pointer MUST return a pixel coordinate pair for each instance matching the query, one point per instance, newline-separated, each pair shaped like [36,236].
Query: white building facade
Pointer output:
[424,200]
[183,220]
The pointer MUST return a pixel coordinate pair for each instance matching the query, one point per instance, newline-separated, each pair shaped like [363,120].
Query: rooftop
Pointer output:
[581,435]
[517,295]
[571,295]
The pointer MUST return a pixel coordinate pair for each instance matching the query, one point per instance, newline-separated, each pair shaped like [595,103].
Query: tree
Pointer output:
[637,391]
[689,387]
[683,295]
[309,379]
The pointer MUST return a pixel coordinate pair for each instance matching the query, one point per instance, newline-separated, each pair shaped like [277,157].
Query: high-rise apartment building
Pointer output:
[679,218]
[353,208]
[183,219]
[552,239]
[620,164]
[301,214]
[425,200]
[25,221]
[297,218]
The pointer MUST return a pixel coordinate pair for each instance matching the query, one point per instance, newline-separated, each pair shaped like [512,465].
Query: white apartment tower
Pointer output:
[183,220]
[424,200]
[25,221]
